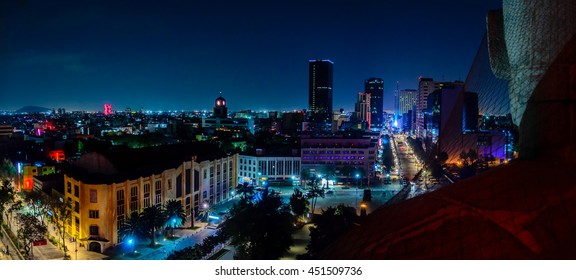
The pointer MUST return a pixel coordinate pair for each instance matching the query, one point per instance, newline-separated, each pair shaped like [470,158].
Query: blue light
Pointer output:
[130,241]
[214,217]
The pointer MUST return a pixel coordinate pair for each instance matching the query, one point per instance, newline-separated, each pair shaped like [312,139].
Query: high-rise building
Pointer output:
[375,87]
[407,99]
[407,104]
[425,87]
[320,90]
[363,106]
[107,109]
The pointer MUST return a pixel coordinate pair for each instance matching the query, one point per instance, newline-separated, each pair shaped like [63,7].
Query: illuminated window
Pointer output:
[146,195]
[158,193]
[93,196]
[133,199]
[120,208]
[93,214]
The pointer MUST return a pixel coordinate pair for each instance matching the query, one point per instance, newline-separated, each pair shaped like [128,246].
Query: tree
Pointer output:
[133,228]
[38,202]
[347,170]
[298,203]
[175,214]
[153,218]
[6,196]
[329,171]
[333,222]
[260,230]
[30,230]
[61,216]
[305,176]
[442,158]
[245,189]
[7,170]
[315,191]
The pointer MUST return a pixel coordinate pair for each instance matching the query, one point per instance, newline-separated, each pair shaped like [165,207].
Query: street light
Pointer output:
[356,194]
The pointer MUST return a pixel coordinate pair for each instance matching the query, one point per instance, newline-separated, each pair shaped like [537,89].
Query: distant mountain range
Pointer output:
[33,109]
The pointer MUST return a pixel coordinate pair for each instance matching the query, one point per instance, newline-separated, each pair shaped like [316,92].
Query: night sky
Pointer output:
[179,55]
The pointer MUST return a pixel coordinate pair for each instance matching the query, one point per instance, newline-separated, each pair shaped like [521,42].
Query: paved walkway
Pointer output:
[165,246]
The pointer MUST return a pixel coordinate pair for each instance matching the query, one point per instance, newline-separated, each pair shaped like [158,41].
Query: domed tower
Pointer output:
[220,109]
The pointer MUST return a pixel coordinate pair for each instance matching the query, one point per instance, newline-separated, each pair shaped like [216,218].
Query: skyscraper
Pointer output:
[320,90]
[407,104]
[362,109]
[107,109]
[375,87]
[425,87]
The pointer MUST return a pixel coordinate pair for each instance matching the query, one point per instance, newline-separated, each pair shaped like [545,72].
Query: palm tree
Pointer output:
[132,228]
[153,219]
[304,176]
[245,189]
[175,214]
[315,191]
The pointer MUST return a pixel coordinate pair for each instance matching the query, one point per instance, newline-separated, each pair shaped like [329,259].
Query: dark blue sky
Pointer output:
[178,55]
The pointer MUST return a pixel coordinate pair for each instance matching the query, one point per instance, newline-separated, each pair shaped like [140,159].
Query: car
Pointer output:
[329,192]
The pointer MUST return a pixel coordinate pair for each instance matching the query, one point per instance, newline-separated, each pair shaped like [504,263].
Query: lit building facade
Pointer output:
[255,169]
[320,89]
[107,109]
[317,153]
[375,88]
[425,87]
[108,189]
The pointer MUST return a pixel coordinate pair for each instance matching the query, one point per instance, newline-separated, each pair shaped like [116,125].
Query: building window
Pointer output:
[76,191]
[69,187]
[146,195]
[120,208]
[77,223]
[93,196]
[133,199]
[76,206]
[158,193]
[93,230]
[93,214]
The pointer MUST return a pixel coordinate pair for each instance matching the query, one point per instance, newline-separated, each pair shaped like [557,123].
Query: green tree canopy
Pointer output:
[333,222]
[260,230]
[153,219]
[298,203]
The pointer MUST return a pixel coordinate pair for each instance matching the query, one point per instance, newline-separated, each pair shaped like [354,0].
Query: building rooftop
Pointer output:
[120,164]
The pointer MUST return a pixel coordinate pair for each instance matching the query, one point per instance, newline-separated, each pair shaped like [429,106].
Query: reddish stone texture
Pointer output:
[524,210]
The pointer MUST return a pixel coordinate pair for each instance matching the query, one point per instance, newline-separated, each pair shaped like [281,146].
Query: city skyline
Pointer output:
[181,56]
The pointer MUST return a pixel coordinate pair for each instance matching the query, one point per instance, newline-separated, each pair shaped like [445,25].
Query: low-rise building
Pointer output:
[105,188]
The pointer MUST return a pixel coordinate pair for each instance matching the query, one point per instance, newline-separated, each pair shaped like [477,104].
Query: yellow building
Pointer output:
[105,189]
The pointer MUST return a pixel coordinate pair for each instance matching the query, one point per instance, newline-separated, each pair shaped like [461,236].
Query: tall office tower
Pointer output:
[375,87]
[320,90]
[407,102]
[107,109]
[362,108]
[407,99]
[425,87]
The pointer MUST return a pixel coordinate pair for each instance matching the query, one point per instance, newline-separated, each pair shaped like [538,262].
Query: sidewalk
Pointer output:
[184,237]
